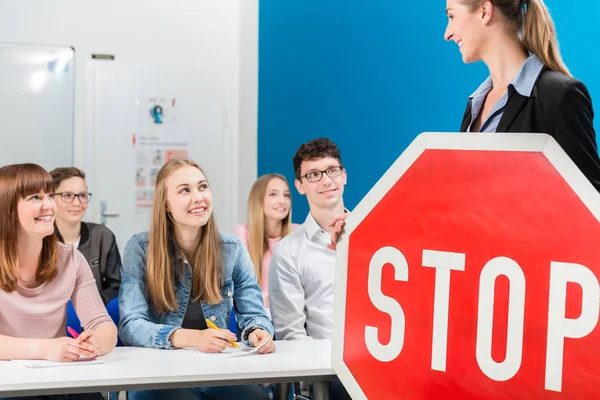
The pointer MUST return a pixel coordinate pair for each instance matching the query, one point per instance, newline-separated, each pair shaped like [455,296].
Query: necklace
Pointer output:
[27,280]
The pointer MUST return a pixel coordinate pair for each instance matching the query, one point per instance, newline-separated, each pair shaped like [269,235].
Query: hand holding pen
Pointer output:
[66,349]
[87,337]
[214,340]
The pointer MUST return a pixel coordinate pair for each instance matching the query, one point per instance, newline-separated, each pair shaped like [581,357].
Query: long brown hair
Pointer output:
[535,23]
[206,267]
[257,240]
[18,181]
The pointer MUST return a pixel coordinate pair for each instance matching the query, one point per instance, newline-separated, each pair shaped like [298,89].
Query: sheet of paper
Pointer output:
[54,364]
[235,352]
[232,352]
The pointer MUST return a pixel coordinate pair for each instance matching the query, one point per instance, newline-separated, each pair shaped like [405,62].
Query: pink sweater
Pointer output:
[241,231]
[41,313]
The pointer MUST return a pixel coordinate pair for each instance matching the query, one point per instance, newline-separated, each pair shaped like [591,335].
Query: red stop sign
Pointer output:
[471,271]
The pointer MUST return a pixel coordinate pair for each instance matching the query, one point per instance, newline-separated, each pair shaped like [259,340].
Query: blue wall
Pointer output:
[373,74]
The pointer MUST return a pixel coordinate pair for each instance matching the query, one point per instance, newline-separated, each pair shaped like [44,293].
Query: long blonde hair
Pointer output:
[18,181]
[257,240]
[207,264]
[538,31]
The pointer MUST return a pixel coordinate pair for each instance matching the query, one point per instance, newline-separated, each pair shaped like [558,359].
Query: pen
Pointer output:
[211,325]
[72,332]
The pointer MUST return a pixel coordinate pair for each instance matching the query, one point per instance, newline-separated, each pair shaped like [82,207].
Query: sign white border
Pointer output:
[525,142]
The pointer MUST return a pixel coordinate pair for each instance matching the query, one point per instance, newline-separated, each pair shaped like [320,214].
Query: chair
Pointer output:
[113,310]
[233,326]
[72,319]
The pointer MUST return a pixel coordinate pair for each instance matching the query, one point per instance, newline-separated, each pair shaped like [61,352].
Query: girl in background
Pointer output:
[269,220]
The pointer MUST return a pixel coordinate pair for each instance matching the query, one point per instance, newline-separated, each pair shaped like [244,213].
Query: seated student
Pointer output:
[96,242]
[185,250]
[302,270]
[38,276]
[269,220]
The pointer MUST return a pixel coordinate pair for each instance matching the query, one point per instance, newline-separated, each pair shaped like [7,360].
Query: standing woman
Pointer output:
[38,276]
[529,88]
[184,271]
[269,221]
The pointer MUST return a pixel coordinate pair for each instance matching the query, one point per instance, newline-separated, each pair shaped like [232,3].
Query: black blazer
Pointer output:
[560,106]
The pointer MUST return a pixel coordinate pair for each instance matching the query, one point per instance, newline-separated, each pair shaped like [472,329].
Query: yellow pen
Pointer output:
[211,325]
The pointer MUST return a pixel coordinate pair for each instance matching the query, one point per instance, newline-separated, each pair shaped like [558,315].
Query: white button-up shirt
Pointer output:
[301,277]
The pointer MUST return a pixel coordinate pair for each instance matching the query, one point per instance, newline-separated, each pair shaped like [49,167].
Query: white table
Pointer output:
[131,368]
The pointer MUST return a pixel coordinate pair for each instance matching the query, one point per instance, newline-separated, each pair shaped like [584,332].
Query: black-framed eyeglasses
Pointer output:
[68,197]
[316,176]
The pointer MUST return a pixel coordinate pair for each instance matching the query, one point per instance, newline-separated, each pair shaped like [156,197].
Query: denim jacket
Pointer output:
[140,325]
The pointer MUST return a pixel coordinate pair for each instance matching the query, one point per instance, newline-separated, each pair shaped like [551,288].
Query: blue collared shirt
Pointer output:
[523,83]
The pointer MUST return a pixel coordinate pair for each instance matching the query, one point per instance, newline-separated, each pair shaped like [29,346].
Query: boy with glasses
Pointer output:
[302,269]
[96,242]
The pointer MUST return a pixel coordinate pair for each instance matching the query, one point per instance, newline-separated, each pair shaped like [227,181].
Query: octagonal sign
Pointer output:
[470,271]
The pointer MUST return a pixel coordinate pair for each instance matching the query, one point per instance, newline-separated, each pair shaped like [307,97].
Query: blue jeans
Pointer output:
[337,391]
[246,392]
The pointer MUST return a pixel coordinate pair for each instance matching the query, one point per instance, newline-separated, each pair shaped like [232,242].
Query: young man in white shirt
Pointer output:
[302,269]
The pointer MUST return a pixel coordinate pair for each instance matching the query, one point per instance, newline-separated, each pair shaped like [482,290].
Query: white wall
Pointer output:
[248,100]
[220,34]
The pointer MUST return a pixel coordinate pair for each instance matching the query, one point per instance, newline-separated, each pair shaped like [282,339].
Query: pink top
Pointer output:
[41,312]
[241,231]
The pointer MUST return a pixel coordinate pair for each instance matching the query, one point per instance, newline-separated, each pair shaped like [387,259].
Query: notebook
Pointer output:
[53,364]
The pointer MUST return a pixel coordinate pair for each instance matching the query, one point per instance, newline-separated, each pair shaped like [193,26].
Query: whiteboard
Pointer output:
[37,104]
